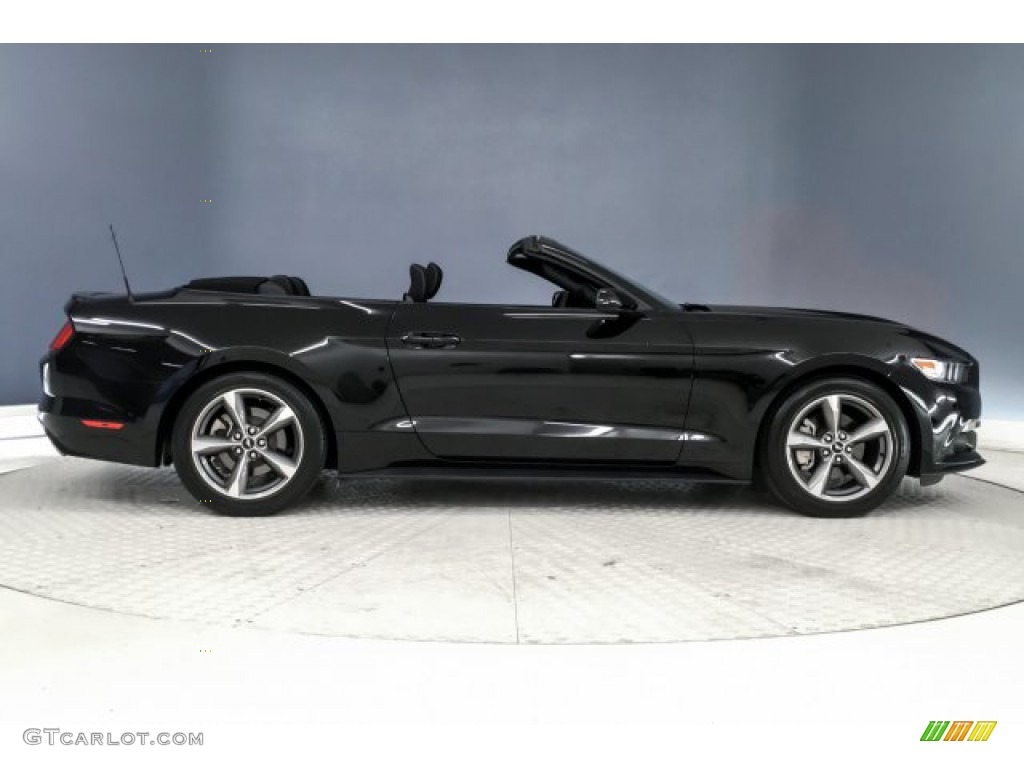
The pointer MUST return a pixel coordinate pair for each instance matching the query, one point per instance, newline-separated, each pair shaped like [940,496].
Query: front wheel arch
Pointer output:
[844,371]
[797,465]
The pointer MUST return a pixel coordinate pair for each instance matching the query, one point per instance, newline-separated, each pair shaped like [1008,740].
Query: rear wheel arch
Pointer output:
[204,375]
[844,371]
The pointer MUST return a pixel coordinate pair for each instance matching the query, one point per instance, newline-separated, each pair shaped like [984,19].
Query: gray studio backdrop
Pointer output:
[885,180]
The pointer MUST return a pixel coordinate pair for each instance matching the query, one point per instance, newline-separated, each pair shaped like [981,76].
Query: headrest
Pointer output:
[417,283]
[434,277]
[278,284]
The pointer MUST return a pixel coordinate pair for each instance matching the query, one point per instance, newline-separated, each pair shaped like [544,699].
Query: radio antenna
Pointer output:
[127,288]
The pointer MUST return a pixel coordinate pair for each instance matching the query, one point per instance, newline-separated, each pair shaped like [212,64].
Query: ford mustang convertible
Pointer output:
[251,387]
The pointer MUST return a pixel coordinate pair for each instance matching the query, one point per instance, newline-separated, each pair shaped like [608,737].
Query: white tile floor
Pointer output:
[509,562]
[847,698]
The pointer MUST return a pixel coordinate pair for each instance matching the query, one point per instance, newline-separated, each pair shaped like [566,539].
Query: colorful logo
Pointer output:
[958,730]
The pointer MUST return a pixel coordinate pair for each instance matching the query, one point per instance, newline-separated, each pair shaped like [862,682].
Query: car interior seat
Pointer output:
[278,285]
[435,275]
[417,284]
[285,285]
[301,289]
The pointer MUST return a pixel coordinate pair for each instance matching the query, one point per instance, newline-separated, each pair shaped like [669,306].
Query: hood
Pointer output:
[935,345]
[794,312]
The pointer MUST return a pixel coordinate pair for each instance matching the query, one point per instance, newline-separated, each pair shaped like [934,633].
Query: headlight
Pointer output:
[941,370]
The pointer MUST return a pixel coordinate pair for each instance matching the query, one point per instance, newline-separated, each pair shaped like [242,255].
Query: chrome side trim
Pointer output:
[699,437]
[559,315]
[537,428]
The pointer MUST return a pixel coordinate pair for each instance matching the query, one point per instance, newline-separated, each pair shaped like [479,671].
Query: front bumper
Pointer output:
[948,419]
[954,449]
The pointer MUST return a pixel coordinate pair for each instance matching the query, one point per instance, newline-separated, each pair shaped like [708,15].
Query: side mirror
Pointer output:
[608,300]
[560,299]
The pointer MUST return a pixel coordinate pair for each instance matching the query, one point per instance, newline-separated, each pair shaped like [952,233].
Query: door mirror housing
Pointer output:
[608,300]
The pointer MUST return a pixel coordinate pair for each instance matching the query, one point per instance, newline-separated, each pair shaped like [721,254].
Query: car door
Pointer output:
[485,382]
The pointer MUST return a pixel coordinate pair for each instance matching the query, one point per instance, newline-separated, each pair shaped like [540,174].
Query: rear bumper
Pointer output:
[77,408]
[71,437]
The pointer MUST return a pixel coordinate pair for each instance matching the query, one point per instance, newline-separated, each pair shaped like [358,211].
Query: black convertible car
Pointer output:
[251,386]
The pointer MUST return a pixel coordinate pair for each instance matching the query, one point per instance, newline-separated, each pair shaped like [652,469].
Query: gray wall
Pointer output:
[879,180]
[913,197]
[91,135]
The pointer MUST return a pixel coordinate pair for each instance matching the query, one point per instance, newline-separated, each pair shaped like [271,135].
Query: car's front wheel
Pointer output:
[248,444]
[835,448]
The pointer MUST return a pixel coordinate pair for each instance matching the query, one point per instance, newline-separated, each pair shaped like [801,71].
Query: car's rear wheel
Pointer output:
[835,448]
[248,444]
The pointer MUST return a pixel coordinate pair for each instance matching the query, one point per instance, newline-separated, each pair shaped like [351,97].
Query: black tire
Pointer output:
[272,480]
[789,470]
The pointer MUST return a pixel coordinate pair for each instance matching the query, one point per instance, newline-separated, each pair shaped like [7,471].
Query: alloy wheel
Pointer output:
[247,443]
[839,447]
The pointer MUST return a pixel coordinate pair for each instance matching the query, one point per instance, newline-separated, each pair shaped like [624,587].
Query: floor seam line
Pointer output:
[996,483]
[512,557]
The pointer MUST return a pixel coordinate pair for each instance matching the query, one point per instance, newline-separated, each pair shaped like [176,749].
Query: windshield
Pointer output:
[642,292]
[659,298]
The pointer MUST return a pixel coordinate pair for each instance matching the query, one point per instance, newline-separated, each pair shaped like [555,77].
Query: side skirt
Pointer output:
[499,472]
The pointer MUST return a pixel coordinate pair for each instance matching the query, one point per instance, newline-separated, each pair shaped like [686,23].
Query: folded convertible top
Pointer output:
[276,284]
[232,284]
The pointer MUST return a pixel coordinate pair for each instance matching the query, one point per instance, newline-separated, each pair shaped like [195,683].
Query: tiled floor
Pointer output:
[292,697]
[511,562]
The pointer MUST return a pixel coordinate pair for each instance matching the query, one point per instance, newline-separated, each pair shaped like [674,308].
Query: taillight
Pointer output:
[63,336]
[102,424]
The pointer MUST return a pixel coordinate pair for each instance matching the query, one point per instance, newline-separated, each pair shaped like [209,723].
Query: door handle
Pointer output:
[430,340]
